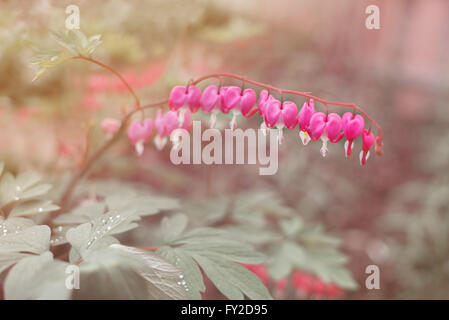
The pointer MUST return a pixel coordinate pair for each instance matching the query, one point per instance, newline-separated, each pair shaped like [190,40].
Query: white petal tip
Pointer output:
[139,148]
[305,138]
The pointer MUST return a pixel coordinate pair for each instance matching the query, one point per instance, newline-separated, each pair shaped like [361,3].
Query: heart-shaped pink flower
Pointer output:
[333,127]
[352,127]
[209,98]
[247,101]
[305,114]
[263,99]
[140,131]
[110,126]
[165,125]
[328,128]
[170,122]
[367,143]
[317,125]
[231,98]
[289,114]
[272,112]
[181,96]
[224,107]
[177,97]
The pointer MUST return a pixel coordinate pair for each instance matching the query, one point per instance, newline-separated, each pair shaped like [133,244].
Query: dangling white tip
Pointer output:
[175,141]
[160,142]
[181,115]
[304,136]
[347,147]
[264,128]
[324,151]
[213,119]
[233,122]
[361,157]
[280,135]
[139,147]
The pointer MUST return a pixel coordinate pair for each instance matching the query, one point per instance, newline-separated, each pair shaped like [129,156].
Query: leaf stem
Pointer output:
[118,75]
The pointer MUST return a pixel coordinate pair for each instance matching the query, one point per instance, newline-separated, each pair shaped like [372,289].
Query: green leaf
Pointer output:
[172,227]
[37,277]
[33,207]
[191,272]
[232,279]
[26,186]
[15,246]
[217,253]
[73,42]
[89,237]
[120,272]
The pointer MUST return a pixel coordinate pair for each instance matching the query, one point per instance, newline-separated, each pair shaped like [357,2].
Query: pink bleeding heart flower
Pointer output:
[239,102]
[212,100]
[181,96]
[140,132]
[187,123]
[263,99]
[272,112]
[367,143]
[304,116]
[209,99]
[110,126]
[352,127]
[289,114]
[182,99]
[247,102]
[327,128]
[165,124]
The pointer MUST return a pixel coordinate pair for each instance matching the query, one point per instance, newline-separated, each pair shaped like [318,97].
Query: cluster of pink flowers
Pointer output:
[312,124]
[304,284]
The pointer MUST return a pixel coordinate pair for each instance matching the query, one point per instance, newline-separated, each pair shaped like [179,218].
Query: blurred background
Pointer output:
[394,212]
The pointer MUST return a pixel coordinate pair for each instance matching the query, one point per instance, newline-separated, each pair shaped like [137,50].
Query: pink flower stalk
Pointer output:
[367,143]
[165,124]
[110,126]
[352,127]
[304,116]
[239,102]
[139,133]
[212,100]
[328,128]
[184,98]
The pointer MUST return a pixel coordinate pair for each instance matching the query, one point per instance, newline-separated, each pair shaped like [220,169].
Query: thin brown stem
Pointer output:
[118,75]
[298,93]
[97,155]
